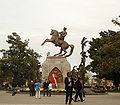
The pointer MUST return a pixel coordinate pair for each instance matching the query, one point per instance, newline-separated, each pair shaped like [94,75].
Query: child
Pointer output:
[38,89]
[50,88]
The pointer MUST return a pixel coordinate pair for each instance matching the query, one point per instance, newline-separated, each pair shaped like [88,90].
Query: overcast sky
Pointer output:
[34,19]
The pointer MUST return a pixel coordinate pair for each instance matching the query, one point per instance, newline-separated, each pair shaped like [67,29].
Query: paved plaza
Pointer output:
[25,99]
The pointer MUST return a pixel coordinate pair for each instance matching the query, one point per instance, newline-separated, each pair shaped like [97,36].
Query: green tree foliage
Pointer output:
[116,21]
[105,55]
[74,72]
[82,69]
[19,63]
[1,77]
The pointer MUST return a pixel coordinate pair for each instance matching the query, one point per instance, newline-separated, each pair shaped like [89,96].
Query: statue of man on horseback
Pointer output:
[63,34]
[58,39]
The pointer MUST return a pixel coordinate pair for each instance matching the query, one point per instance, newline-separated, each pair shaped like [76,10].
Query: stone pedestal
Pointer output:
[58,65]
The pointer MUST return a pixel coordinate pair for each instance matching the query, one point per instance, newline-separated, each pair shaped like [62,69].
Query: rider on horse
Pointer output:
[62,35]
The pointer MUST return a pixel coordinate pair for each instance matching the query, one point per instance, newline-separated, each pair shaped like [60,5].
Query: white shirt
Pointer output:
[50,86]
[69,80]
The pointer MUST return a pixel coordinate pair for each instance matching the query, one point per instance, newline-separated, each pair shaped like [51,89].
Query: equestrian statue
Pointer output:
[58,39]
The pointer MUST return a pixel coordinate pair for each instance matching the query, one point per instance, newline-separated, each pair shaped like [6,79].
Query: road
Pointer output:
[25,99]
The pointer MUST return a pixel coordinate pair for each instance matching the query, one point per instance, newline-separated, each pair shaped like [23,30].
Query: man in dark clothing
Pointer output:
[32,88]
[69,87]
[78,88]
[45,87]
[14,88]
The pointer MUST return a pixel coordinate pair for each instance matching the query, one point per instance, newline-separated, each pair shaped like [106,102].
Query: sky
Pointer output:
[34,19]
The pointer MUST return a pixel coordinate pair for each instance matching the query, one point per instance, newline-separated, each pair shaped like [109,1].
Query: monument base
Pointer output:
[58,66]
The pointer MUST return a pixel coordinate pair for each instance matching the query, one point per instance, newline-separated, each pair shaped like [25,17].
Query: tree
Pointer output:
[74,72]
[19,63]
[116,21]
[81,68]
[105,55]
[1,75]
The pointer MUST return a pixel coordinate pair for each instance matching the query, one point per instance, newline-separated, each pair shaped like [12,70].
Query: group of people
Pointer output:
[69,85]
[47,87]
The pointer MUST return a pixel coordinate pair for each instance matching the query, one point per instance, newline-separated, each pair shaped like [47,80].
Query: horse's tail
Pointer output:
[71,51]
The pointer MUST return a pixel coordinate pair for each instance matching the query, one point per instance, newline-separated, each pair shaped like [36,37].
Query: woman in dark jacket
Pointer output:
[78,86]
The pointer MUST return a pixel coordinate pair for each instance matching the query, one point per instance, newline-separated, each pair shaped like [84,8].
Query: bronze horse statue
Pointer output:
[61,43]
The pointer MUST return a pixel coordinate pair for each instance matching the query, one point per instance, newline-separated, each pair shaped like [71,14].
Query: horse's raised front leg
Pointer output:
[46,40]
[58,53]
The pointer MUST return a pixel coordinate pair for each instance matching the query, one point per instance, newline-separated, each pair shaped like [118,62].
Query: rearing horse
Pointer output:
[61,43]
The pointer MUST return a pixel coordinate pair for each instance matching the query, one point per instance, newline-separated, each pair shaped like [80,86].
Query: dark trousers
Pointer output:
[49,92]
[45,90]
[14,91]
[78,93]
[32,92]
[69,94]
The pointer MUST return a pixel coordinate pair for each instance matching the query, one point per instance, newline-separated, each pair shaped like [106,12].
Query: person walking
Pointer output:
[78,86]
[45,87]
[38,85]
[50,88]
[69,87]
[32,88]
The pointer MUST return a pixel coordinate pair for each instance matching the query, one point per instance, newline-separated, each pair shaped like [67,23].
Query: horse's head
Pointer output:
[54,33]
